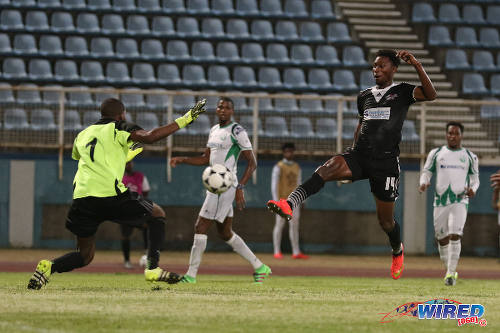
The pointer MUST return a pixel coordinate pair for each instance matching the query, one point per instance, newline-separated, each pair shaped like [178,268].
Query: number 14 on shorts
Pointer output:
[391,183]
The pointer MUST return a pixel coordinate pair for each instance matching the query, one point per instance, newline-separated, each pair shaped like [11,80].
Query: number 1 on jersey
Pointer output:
[92,148]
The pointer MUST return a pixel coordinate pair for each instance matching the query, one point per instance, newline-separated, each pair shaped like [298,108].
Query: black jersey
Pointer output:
[382,121]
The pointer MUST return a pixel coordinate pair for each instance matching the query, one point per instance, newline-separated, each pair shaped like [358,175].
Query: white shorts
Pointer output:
[449,220]
[218,207]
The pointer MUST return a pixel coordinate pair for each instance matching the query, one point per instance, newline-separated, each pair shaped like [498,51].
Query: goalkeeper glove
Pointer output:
[192,114]
[133,150]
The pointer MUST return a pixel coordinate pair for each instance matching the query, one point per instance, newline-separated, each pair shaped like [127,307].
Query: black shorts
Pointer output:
[383,174]
[86,214]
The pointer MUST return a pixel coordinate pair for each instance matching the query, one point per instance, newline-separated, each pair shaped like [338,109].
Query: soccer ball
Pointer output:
[217,178]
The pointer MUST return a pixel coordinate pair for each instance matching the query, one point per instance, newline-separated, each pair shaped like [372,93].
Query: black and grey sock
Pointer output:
[156,235]
[67,262]
[126,249]
[308,188]
[395,239]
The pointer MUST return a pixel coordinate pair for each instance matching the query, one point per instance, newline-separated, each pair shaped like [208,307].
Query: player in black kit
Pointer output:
[375,153]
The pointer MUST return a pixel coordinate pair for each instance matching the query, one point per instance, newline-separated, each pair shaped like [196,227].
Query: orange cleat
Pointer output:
[398,264]
[278,255]
[282,208]
[300,256]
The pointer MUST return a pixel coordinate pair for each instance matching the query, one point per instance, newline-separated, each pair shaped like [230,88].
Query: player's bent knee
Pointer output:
[455,237]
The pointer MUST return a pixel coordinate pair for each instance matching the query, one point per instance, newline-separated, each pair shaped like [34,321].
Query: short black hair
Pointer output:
[288,145]
[226,99]
[455,123]
[391,54]
[112,107]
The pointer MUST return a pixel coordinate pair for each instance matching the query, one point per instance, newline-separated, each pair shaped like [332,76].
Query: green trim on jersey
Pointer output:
[433,165]
[442,200]
[234,150]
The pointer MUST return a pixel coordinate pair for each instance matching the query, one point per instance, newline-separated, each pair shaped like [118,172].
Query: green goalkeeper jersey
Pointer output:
[101,151]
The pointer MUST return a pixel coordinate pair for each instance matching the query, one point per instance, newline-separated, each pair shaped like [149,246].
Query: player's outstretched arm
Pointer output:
[425,92]
[162,132]
[191,160]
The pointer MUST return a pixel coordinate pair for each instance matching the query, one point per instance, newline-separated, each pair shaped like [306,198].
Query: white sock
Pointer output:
[454,255]
[293,230]
[199,246]
[277,232]
[443,254]
[242,249]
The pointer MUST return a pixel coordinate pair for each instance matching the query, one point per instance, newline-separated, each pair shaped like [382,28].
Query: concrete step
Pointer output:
[440,133]
[371,13]
[397,45]
[364,5]
[442,124]
[414,76]
[446,117]
[364,20]
[381,28]
[447,93]
[417,53]
[438,84]
[436,107]
[386,36]
[428,69]
[469,143]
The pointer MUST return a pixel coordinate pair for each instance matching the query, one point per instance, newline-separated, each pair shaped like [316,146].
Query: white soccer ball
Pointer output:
[217,178]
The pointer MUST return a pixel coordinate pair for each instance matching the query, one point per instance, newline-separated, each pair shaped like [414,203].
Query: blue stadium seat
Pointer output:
[50,45]
[301,127]
[61,22]
[493,15]
[286,31]
[168,74]
[49,3]
[40,69]
[197,7]
[277,53]
[322,9]
[87,23]
[73,4]
[343,80]
[99,97]
[311,32]
[123,5]
[252,53]
[15,119]
[132,98]
[473,83]
[483,61]
[244,76]
[326,128]
[5,43]
[237,28]
[490,111]
[246,7]
[473,14]
[157,101]
[366,79]
[294,78]
[227,51]
[183,102]
[212,27]
[247,123]
[200,127]
[177,49]
[409,132]
[354,56]
[23,3]
[348,128]
[24,44]
[202,51]
[112,24]
[11,20]
[265,104]
[98,4]
[6,95]
[276,127]
[143,73]
[173,6]
[311,105]
[137,25]
[301,54]
[90,118]
[91,71]
[149,6]
[51,97]
[271,8]
[449,13]
[101,47]
[489,38]
[456,59]
[152,49]
[117,72]
[162,26]
[81,98]
[338,32]
[286,104]
[29,96]
[319,79]
[126,48]
[72,121]
[439,35]
[423,12]
[187,27]
[147,120]
[295,9]
[218,76]
[76,46]
[466,37]
[262,29]
[222,7]
[498,60]
[332,106]
[65,70]
[193,75]
[13,68]
[327,55]
[269,77]
[495,84]
[36,21]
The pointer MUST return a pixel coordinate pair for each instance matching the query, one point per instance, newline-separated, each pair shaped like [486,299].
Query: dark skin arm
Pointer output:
[193,160]
[251,166]
[426,91]
[156,134]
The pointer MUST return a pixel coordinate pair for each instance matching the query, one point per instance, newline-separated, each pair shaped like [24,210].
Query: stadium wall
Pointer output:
[340,219]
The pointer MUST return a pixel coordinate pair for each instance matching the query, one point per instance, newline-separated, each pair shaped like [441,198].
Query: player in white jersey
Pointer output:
[457,180]
[226,141]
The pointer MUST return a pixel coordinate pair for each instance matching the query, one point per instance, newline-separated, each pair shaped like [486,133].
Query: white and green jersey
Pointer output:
[225,145]
[455,171]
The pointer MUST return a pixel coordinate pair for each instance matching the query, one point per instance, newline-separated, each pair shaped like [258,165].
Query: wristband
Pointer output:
[240,186]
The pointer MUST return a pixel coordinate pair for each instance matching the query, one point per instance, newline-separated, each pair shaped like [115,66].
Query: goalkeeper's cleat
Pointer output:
[192,114]
[188,279]
[41,276]
[261,273]
[158,274]
[450,279]
[281,207]
[397,264]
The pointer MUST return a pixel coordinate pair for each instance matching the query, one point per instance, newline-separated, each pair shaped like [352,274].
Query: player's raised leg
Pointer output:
[199,246]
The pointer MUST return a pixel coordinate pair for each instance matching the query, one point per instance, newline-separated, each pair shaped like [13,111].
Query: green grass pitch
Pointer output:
[91,303]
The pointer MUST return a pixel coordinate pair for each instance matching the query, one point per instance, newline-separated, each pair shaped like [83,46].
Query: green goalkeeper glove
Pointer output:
[192,114]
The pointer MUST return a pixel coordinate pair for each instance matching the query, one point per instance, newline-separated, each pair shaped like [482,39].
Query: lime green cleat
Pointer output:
[451,279]
[41,276]
[188,279]
[261,273]
[158,274]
